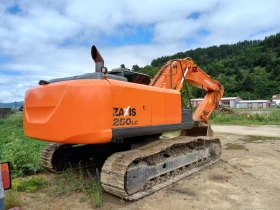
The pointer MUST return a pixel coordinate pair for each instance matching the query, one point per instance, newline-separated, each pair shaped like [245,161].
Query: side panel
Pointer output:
[173,108]
[150,105]
[158,108]
[132,105]
[77,111]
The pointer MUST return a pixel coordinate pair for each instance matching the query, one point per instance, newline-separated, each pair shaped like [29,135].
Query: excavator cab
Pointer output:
[121,74]
[131,76]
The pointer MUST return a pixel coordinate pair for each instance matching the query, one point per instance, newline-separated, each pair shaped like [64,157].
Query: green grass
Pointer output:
[22,152]
[65,183]
[246,118]
[71,181]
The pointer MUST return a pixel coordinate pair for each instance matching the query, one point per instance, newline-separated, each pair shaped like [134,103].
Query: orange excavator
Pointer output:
[121,114]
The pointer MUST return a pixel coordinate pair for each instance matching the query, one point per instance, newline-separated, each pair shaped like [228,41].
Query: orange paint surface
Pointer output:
[84,111]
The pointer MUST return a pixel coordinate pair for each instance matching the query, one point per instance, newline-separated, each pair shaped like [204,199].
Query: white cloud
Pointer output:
[46,38]
[174,30]
[73,61]
[234,21]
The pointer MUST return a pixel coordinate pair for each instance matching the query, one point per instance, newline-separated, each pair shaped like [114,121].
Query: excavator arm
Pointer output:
[175,72]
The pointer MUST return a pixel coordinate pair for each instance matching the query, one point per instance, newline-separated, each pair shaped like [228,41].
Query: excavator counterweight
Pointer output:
[120,115]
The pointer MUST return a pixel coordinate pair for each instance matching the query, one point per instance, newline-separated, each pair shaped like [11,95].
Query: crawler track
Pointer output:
[48,154]
[137,173]
[56,156]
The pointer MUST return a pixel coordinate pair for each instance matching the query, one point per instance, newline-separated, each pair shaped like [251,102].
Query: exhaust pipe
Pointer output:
[99,62]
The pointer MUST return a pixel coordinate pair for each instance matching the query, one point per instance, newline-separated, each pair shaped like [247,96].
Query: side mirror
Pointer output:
[6,176]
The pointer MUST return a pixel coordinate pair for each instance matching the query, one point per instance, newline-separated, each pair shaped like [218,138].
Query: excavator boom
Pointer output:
[175,73]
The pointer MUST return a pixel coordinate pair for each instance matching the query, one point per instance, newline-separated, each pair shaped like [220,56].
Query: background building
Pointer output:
[237,102]
[196,101]
[253,104]
[229,101]
[276,100]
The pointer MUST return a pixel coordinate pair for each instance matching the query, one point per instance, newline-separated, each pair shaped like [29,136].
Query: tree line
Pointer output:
[248,69]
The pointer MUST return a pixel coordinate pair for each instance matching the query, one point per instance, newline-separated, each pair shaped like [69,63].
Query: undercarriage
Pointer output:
[135,173]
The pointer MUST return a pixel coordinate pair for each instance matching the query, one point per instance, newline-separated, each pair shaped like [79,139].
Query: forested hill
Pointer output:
[11,105]
[248,69]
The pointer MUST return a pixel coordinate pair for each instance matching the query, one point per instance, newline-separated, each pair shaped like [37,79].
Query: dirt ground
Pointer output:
[247,177]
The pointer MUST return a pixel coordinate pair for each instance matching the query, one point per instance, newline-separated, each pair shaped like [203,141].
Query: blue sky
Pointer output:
[49,39]
[14,8]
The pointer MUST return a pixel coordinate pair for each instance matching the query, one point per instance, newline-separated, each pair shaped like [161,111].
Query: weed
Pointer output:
[83,199]
[12,199]
[122,200]
[74,181]
[32,184]
[66,182]
[95,193]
